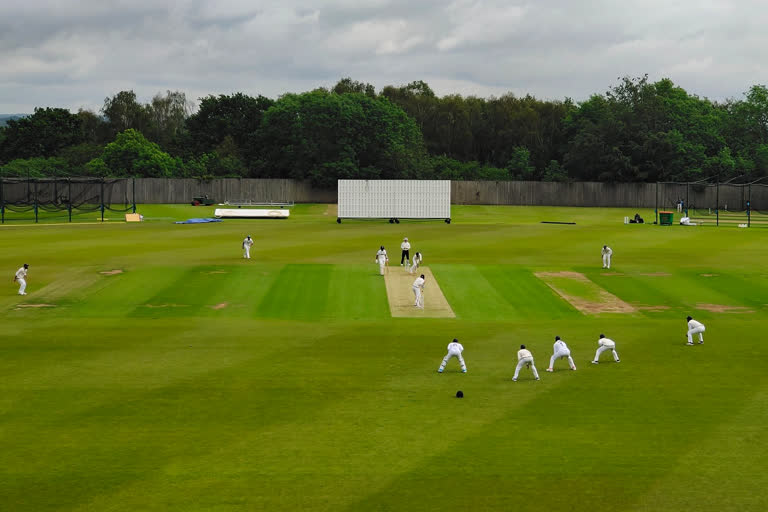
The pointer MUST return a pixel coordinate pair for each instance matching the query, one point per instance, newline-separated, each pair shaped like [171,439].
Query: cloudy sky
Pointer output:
[72,54]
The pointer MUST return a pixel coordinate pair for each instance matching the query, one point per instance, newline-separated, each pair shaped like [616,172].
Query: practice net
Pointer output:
[64,198]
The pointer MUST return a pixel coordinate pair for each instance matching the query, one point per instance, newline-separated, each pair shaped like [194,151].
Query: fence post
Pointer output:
[102,199]
[35,201]
[656,209]
[2,203]
[69,199]
[134,193]
[749,205]
[717,202]
[687,197]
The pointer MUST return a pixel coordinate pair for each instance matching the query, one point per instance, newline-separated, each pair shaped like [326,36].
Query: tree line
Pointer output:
[638,130]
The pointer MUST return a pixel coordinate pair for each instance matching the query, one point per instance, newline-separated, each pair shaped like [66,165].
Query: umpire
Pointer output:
[405,257]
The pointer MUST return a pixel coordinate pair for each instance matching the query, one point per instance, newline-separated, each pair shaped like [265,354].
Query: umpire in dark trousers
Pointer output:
[406,248]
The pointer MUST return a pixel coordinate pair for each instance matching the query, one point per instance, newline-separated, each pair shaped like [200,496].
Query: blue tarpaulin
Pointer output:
[197,221]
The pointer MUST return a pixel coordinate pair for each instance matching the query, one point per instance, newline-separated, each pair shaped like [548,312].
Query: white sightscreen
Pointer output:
[401,199]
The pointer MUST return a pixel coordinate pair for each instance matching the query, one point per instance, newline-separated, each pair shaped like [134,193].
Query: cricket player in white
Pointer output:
[418,289]
[247,243]
[454,350]
[607,253]
[561,350]
[524,357]
[381,259]
[405,256]
[21,278]
[417,259]
[605,344]
[695,327]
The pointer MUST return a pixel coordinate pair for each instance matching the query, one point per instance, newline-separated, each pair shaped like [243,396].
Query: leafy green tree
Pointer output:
[131,154]
[347,85]
[43,134]
[37,167]
[124,112]
[237,116]
[326,136]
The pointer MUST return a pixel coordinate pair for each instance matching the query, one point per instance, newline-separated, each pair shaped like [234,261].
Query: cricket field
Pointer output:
[152,368]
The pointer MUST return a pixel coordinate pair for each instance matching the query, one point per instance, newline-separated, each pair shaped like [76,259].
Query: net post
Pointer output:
[102,199]
[656,206]
[749,205]
[133,186]
[69,199]
[687,197]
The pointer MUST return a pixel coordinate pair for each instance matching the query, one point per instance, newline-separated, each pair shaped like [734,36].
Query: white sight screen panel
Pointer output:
[401,199]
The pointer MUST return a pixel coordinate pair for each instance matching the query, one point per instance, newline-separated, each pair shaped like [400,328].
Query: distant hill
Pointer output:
[4,118]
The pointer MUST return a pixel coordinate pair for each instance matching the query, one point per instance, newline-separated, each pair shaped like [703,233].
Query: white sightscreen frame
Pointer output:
[394,199]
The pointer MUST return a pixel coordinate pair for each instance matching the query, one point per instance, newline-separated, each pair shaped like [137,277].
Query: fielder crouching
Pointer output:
[561,350]
[454,350]
[525,358]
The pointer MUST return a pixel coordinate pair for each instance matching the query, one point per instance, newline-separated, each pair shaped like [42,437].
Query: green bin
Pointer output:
[665,218]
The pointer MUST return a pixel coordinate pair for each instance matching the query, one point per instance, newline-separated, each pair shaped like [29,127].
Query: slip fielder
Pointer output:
[561,350]
[525,358]
[454,350]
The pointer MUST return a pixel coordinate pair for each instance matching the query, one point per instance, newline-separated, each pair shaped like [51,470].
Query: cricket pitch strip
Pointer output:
[400,294]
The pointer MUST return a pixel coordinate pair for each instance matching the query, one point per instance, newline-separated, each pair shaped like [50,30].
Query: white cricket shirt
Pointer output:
[560,346]
[455,347]
[21,273]
[406,246]
[523,353]
[607,250]
[606,342]
[419,282]
[693,324]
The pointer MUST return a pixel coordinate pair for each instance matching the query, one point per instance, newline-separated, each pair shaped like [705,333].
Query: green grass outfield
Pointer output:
[198,381]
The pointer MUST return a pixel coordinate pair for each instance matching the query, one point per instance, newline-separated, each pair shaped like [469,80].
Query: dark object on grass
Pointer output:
[202,200]
[459,394]
[553,222]
[637,220]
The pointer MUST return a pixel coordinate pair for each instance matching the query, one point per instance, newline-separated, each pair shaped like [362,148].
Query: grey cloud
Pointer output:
[75,53]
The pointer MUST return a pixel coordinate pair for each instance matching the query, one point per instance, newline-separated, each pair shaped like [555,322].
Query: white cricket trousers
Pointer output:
[23,286]
[696,330]
[447,358]
[606,261]
[247,252]
[414,267]
[602,349]
[417,293]
[522,363]
[558,355]
[382,262]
